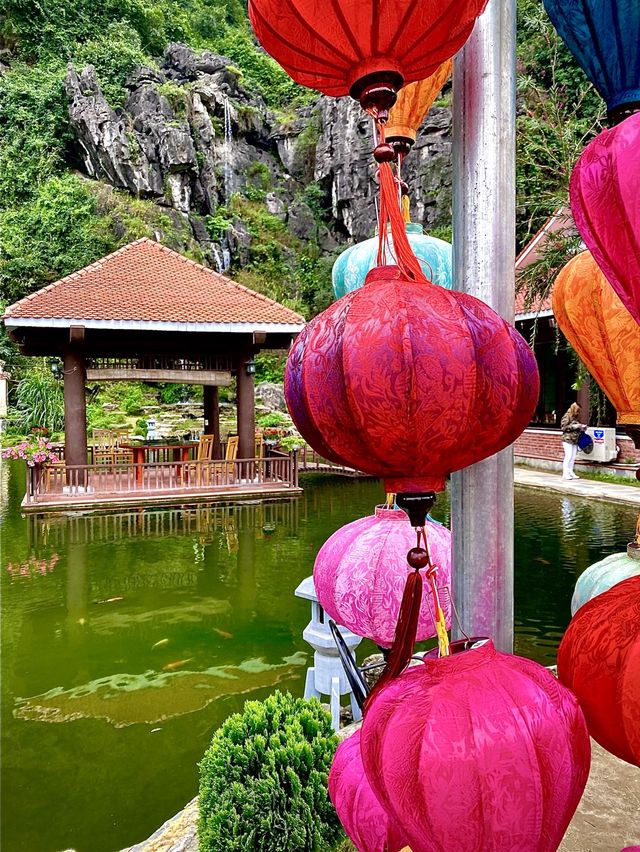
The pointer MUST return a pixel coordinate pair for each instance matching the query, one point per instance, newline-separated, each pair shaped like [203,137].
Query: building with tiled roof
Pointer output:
[146,313]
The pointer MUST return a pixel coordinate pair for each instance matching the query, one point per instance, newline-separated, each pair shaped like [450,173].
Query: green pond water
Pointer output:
[128,637]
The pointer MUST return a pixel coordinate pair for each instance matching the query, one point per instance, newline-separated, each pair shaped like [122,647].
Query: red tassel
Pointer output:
[405,635]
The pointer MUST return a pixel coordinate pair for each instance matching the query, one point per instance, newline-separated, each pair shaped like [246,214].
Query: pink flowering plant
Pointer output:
[35,450]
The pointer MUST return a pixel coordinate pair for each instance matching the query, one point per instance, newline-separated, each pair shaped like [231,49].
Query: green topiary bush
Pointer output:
[263,780]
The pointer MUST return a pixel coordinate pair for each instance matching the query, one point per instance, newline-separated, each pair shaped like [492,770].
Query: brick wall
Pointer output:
[547,444]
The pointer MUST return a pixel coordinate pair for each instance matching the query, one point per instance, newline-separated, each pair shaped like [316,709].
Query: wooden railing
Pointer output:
[310,461]
[109,480]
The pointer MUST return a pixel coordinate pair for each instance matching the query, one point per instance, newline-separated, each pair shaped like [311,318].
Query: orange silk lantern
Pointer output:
[602,331]
[366,49]
[414,102]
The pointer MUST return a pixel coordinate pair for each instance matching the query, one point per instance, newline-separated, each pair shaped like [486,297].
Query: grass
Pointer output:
[609,477]
[596,477]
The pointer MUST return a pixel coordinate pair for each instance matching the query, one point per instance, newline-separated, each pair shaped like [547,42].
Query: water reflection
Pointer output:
[156,624]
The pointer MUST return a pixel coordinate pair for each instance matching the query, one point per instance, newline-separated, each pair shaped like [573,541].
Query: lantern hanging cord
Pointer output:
[431,575]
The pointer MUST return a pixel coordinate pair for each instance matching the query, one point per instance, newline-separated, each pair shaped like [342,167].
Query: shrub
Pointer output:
[39,401]
[274,418]
[263,780]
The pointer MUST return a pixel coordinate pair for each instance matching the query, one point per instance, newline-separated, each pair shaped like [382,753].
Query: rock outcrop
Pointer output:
[190,135]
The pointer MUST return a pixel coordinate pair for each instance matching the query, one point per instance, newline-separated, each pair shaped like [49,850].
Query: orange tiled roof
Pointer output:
[146,282]
[533,251]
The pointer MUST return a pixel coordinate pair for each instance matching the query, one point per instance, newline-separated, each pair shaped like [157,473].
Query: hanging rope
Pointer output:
[390,213]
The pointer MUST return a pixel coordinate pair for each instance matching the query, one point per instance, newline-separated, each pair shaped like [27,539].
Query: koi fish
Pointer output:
[176,664]
[222,633]
[541,559]
[109,600]
[160,644]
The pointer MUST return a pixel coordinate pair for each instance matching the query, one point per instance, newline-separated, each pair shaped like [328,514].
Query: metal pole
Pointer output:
[484,266]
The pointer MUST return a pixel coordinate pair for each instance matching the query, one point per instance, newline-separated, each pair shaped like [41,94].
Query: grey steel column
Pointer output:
[484,266]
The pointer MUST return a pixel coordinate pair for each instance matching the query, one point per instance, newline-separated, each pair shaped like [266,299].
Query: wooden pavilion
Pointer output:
[146,313]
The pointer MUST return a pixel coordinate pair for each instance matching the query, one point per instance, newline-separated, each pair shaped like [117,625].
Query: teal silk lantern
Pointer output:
[351,268]
[602,576]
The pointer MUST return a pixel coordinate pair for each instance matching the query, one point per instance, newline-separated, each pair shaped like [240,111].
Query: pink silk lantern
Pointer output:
[605,202]
[361,814]
[599,660]
[477,752]
[407,381]
[361,570]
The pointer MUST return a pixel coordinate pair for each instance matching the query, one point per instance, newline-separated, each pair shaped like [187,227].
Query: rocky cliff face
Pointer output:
[190,135]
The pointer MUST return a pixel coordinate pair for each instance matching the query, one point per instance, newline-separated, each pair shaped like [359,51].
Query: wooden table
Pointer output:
[180,453]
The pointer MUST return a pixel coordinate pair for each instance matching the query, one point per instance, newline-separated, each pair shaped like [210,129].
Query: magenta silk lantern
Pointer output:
[407,381]
[361,570]
[605,193]
[361,814]
[477,752]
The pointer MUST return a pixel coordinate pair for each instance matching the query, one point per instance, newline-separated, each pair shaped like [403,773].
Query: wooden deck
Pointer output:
[167,481]
[160,483]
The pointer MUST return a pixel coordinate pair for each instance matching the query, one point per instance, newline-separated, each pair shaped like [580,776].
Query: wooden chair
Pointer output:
[104,445]
[205,454]
[231,453]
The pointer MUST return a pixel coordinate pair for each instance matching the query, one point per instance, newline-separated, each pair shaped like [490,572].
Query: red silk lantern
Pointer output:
[599,660]
[361,814]
[351,48]
[477,752]
[602,331]
[605,187]
[407,381]
[361,570]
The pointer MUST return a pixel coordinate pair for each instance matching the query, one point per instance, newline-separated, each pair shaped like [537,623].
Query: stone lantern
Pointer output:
[326,676]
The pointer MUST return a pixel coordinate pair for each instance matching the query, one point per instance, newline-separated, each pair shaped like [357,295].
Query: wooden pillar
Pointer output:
[246,406]
[212,417]
[582,398]
[75,412]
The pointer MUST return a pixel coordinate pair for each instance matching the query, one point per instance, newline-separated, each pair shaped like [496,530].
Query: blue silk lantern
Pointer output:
[604,35]
[602,576]
[352,266]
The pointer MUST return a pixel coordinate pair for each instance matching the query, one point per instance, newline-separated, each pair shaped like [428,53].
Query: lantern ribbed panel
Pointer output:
[602,576]
[603,35]
[352,266]
[477,752]
[414,102]
[361,570]
[604,190]
[407,381]
[599,660]
[329,46]
[602,331]
[361,814]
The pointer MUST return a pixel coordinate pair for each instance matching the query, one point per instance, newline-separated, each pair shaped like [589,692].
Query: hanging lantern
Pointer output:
[604,201]
[362,49]
[603,35]
[352,266]
[602,331]
[602,576]
[478,752]
[599,660]
[360,813]
[407,381]
[413,103]
[361,570]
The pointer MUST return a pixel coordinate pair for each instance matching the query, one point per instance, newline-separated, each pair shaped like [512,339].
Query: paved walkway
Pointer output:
[607,818]
[589,488]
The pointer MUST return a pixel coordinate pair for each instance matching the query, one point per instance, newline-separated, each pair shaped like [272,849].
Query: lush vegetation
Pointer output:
[558,112]
[53,221]
[263,780]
